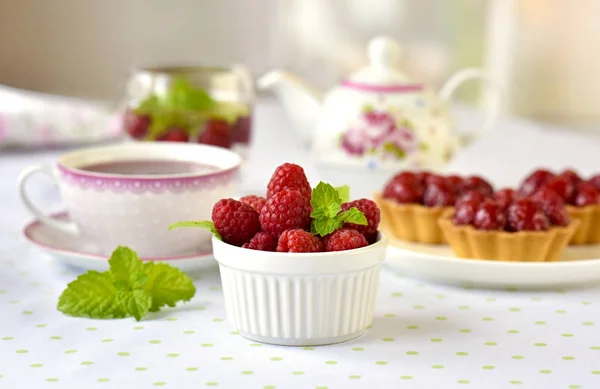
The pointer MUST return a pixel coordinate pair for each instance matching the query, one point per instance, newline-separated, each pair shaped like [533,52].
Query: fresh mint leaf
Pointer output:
[135,303]
[91,295]
[344,193]
[353,215]
[206,224]
[183,95]
[324,195]
[167,285]
[126,268]
[325,227]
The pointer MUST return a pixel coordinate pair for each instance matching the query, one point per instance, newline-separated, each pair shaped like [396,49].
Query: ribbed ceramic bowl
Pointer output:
[300,299]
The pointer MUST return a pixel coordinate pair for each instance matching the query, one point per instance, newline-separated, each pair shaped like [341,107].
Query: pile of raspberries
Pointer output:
[281,221]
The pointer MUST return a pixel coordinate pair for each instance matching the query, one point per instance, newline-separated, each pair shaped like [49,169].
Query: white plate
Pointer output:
[437,263]
[79,252]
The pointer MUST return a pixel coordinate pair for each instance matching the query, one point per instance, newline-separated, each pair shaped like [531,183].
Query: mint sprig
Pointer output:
[206,224]
[326,202]
[129,288]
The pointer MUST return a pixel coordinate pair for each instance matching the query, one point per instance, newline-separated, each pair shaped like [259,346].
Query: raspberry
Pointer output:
[285,210]
[465,211]
[136,125]
[421,176]
[586,194]
[255,202]
[438,195]
[595,181]
[291,177]
[552,205]
[562,186]
[236,222]
[345,239]
[299,241]
[371,211]
[472,195]
[479,184]
[405,188]
[217,132]
[262,241]
[505,197]
[434,179]
[489,216]
[241,130]
[456,183]
[572,176]
[524,215]
[174,134]
[535,181]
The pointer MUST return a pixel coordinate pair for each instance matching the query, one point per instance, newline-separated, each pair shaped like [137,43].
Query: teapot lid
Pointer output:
[384,64]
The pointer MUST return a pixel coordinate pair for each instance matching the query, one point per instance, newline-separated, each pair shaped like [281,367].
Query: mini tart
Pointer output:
[522,246]
[411,222]
[589,224]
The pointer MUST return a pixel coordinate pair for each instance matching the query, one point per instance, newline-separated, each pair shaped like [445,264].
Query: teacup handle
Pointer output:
[497,96]
[64,226]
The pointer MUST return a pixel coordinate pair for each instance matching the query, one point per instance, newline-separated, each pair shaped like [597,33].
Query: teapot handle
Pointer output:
[497,96]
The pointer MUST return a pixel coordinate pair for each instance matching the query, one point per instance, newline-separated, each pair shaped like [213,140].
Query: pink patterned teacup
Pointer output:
[129,194]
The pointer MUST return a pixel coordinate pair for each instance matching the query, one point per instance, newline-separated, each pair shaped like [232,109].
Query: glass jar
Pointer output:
[208,105]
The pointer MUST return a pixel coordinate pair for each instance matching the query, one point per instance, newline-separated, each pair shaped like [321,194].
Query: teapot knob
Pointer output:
[384,53]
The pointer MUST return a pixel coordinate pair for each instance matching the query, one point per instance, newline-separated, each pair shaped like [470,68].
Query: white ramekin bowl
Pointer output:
[300,299]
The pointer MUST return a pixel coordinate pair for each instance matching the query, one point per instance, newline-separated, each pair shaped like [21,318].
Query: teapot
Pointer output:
[377,121]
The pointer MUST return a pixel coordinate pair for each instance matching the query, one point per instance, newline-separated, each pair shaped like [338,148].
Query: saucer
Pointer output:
[79,252]
[437,263]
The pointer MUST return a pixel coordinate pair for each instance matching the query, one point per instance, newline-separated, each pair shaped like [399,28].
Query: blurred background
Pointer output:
[545,52]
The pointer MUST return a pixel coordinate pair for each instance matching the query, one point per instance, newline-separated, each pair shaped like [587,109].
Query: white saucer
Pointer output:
[79,252]
[437,263]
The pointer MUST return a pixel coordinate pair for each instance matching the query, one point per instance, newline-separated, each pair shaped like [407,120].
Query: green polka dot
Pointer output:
[588,323]
[405,377]
[397,294]
[487,319]
[462,353]
[540,344]
[155,341]
[321,387]
[171,318]
[412,353]
[297,372]
[87,363]
[200,309]
[368,327]
[465,331]
[123,354]
[331,362]
[354,377]
[512,289]
[536,299]
[381,363]
[8,338]
[247,372]
[596,372]
[214,287]
[187,332]
[14,301]
[568,358]
[56,337]
[412,327]
[226,358]
[26,312]
[390,315]
[488,367]
[441,318]
[463,307]
[191,369]
[418,307]
[108,340]
[159,383]
[595,348]
[41,325]
[308,348]
[560,311]
[256,345]
[268,387]
[36,365]
[490,299]
[388,339]
[22,351]
[435,340]
[568,335]
[574,387]
[515,309]
[440,296]
[546,371]
[437,366]
[138,327]
[70,351]
[172,355]
[103,379]
[206,344]
[217,320]
[490,343]
[51,379]
[2,291]
[513,331]
[91,329]
[586,303]
[463,381]
[540,323]
[358,349]
[515,382]
[276,359]
[518,357]
[141,368]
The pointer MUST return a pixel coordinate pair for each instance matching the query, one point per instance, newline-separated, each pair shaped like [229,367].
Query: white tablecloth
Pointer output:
[423,336]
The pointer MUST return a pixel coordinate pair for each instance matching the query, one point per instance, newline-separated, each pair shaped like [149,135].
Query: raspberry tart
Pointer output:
[510,227]
[411,203]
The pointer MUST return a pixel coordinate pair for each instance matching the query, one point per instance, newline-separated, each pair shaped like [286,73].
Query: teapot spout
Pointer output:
[299,100]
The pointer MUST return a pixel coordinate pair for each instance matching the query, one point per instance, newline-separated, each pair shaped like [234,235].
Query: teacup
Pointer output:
[129,194]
